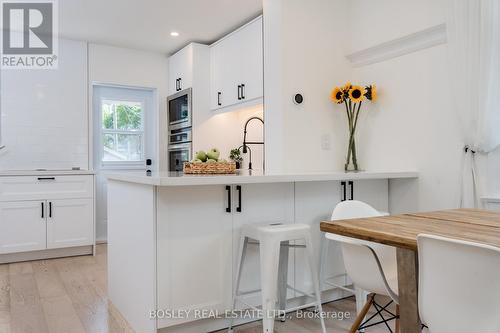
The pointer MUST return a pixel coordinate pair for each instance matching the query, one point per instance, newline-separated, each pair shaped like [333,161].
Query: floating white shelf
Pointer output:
[414,42]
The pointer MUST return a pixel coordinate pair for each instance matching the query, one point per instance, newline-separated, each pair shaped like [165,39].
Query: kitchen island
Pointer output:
[173,238]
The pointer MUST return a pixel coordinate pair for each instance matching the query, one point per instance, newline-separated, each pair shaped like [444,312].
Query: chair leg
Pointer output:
[398,328]
[315,279]
[323,255]
[362,314]
[242,253]
[269,262]
[361,296]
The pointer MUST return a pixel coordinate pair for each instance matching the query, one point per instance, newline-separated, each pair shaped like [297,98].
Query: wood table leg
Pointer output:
[408,292]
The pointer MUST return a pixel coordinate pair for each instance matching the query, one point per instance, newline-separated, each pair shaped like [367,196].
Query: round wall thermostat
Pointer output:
[298,98]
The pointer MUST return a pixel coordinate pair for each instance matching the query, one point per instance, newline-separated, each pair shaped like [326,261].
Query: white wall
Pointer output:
[127,67]
[44,113]
[225,132]
[412,126]
[303,47]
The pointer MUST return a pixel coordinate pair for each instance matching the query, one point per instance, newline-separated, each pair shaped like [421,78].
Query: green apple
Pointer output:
[213,154]
[201,155]
[211,160]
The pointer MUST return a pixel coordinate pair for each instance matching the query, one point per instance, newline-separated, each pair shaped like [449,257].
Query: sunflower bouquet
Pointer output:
[352,96]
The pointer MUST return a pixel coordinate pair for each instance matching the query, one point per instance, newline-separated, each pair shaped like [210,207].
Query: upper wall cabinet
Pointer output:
[180,70]
[236,67]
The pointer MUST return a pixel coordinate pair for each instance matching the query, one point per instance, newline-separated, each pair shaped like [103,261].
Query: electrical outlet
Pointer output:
[326,142]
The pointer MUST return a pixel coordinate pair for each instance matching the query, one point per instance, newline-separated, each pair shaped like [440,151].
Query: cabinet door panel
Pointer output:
[314,202]
[261,203]
[374,192]
[194,250]
[22,226]
[180,67]
[69,223]
[250,58]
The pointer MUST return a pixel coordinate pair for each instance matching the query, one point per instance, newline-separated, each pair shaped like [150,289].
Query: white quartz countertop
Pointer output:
[66,172]
[246,177]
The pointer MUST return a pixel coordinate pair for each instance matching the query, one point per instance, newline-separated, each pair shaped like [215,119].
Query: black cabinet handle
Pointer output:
[46,178]
[351,185]
[228,208]
[343,193]
[218,98]
[243,91]
[238,188]
[180,84]
[43,210]
[50,209]
[239,92]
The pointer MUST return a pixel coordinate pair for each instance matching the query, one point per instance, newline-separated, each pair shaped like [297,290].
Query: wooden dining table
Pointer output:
[401,231]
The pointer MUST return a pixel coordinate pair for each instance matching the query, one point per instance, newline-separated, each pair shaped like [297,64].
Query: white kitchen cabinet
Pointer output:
[68,223]
[260,203]
[45,212]
[180,70]
[22,226]
[195,245]
[236,67]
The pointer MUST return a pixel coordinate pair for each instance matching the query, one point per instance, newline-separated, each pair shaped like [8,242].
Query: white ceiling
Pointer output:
[146,24]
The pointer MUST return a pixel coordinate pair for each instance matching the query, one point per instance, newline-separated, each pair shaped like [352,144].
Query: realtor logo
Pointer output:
[29,34]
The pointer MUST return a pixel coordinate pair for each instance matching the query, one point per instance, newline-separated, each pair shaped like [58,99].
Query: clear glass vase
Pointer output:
[351,164]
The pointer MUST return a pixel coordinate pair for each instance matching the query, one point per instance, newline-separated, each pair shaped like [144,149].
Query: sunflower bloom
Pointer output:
[357,94]
[347,86]
[337,95]
[371,93]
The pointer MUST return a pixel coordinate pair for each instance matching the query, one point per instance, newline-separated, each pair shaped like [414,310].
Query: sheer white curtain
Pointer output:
[474,57]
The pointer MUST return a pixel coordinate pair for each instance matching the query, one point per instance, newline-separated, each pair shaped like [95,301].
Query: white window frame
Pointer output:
[119,165]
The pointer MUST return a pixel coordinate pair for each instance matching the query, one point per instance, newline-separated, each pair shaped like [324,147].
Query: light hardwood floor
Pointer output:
[69,295]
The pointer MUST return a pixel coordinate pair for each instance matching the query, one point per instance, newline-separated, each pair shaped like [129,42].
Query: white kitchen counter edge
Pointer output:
[168,179]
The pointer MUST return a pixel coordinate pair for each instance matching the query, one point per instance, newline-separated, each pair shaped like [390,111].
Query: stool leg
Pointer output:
[242,252]
[314,275]
[283,278]
[269,262]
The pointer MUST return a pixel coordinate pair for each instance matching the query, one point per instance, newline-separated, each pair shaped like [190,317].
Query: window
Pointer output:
[122,132]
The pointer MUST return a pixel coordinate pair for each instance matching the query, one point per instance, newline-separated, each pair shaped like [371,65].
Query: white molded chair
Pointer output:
[459,285]
[372,267]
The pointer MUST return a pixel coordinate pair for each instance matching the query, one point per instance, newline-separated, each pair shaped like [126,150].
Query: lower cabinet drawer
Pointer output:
[43,187]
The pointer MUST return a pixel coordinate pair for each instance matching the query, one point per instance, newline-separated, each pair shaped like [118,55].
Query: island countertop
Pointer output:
[246,177]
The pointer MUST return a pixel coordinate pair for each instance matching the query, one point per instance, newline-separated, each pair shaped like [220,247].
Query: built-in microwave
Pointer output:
[179,109]
[178,154]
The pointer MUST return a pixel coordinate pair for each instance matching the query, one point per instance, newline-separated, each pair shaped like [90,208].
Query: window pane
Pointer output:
[129,116]
[122,147]
[107,115]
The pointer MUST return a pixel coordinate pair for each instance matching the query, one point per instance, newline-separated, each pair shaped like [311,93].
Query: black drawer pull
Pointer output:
[46,178]
[239,92]
[238,188]
[228,208]
[218,99]
[43,211]
[343,194]
[243,91]
[50,209]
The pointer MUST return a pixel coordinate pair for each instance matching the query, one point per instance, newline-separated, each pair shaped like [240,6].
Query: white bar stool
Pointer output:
[271,238]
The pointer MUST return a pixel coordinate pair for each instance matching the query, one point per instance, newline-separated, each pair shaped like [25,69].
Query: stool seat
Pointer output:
[274,231]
